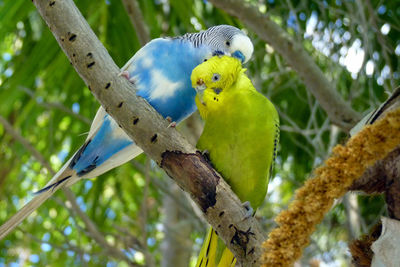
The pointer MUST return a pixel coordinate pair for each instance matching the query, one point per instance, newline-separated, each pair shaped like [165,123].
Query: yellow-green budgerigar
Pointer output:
[240,134]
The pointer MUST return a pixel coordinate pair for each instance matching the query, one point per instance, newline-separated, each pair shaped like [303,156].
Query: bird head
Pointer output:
[230,40]
[213,79]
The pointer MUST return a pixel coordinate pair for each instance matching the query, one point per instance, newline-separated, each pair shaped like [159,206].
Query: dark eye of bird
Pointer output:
[215,77]
[228,43]
[217,90]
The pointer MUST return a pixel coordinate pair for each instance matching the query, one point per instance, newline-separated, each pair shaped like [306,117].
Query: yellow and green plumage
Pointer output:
[241,132]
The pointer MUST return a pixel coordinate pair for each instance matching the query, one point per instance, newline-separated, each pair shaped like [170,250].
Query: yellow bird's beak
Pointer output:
[200,87]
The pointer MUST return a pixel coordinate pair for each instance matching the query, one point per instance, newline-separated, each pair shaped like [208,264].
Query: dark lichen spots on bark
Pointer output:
[72,37]
[120,104]
[193,173]
[221,213]
[153,138]
[135,120]
[90,64]
[108,85]
[251,251]
[242,238]
[90,88]
[52,3]
[90,56]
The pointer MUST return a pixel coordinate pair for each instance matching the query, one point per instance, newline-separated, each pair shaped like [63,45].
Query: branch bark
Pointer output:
[150,131]
[339,111]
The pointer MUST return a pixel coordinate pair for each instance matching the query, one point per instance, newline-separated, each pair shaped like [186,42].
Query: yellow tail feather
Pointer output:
[227,259]
[209,255]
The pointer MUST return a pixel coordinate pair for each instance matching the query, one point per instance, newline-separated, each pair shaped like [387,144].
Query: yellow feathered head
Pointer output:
[213,79]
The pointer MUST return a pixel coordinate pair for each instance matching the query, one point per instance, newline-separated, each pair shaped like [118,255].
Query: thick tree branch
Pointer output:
[90,225]
[150,131]
[339,111]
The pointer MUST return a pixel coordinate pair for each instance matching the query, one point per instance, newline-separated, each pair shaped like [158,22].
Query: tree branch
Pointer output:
[150,131]
[339,111]
[133,9]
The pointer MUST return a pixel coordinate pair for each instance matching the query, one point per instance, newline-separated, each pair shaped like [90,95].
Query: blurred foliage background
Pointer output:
[136,207]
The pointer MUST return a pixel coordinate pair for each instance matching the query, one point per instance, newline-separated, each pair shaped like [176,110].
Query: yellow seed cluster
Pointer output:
[347,163]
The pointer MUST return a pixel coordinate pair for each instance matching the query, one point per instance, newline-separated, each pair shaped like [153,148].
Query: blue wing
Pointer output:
[161,73]
[108,140]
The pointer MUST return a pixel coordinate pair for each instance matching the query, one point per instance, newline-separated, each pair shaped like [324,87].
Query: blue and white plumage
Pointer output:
[161,73]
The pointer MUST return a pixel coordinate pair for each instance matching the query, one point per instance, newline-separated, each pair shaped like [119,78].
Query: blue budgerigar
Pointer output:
[161,73]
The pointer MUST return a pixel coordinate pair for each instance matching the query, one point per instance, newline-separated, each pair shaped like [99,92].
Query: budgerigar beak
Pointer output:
[200,87]
[239,55]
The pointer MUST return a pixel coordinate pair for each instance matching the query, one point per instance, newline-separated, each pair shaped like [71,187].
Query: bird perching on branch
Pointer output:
[241,133]
[161,73]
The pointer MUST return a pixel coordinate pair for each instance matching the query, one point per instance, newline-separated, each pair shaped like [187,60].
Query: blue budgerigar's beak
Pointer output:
[239,55]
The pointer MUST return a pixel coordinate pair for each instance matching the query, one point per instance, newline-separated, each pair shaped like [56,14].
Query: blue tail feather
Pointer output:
[53,185]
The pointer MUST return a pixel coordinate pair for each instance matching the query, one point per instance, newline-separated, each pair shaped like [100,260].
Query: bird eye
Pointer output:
[217,90]
[216,77]
[228,43]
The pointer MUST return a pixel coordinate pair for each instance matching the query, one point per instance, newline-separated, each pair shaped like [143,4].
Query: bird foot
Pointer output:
[249,209]
[125,74]
[172,124]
